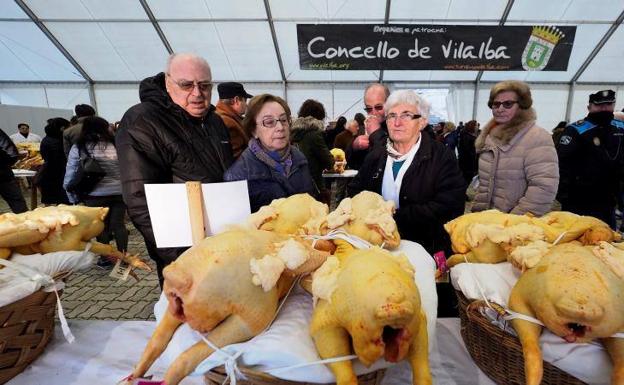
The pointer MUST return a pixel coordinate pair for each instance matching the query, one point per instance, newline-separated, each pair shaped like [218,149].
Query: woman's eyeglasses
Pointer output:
[378,107]
[187,85]
[404,116]
[272,122]
[507,104]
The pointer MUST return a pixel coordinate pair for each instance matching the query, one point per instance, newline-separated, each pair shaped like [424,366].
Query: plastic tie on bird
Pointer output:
[319,362]
[356,241]
[511,315]
[230,364]
[559,238]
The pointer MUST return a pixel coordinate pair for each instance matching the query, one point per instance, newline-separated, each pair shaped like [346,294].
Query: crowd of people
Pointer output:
[175,135]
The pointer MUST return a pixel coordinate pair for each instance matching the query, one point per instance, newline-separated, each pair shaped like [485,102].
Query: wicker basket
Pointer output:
[499,354]
[26,327]
[217,377]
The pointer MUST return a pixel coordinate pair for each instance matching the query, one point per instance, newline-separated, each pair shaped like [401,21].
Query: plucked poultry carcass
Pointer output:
[340,160]
[58,228]
[368,216]
[369,304]
[228,285]
[577,292]
[297,214]
[493,237]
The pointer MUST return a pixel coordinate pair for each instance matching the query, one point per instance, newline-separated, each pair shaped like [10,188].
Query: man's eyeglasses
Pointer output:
[271,122]
[507,104]
[404,116]
[187,85]
[378,107]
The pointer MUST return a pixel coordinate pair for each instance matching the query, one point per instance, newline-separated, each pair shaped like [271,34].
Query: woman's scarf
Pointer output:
[394,154]
[281,161]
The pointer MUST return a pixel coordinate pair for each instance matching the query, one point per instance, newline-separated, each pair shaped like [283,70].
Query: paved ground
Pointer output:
[93,294]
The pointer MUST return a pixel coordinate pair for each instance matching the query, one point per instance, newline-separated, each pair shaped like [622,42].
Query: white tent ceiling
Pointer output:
[97,51]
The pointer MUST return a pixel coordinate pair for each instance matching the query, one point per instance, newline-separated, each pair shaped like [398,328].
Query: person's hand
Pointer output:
[360,142]
[372,123]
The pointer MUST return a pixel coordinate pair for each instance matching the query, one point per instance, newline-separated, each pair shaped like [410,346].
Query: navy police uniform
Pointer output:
[591,161]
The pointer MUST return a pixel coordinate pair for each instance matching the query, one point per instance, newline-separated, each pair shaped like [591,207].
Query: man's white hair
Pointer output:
[187,56]
[408,97]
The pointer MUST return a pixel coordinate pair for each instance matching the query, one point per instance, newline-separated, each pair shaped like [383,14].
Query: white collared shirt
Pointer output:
[31,138]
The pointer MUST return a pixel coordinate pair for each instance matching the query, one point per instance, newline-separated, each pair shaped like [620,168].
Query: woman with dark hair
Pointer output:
[330,135]
[466,152]
[272,167]
[307,135]
[96,141]
[518,164]
[360,119]
[50,177]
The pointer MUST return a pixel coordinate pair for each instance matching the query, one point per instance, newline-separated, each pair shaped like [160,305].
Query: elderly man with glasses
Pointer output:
[420,175]
[376,132]
[173,135]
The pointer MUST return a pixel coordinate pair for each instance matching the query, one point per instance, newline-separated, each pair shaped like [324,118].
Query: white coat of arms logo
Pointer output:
[540,46]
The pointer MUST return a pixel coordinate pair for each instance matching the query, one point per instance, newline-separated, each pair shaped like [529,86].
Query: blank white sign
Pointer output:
[225,204]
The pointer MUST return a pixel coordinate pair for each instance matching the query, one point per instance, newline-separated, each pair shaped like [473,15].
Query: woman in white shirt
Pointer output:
[419,174]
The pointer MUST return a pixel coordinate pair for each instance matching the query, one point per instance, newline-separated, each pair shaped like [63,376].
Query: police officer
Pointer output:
[591,157]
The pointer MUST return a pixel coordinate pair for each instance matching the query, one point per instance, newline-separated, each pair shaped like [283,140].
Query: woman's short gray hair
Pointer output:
[407,97]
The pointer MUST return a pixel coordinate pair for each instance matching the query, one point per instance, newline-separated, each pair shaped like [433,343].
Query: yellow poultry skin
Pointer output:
[368,216]
[375,312]
[58,228]
[578,297]
[210,287]
[297,214]
[558,225]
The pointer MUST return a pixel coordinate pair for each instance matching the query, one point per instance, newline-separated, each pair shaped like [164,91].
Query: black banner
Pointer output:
[434,47]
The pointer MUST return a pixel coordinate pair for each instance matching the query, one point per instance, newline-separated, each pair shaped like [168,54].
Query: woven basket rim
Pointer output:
[218,374]
[29,325]
[491,347]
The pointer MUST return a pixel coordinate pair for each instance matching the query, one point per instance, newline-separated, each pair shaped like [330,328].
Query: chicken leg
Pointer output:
[529,334]
[232,330]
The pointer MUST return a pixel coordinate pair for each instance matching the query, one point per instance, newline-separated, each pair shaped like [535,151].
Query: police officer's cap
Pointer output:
[602,97]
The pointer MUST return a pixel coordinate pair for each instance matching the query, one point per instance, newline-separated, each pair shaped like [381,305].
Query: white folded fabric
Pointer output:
[15,286]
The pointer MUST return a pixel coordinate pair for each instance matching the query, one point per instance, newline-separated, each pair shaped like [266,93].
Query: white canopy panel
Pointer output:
[107,47]
[115,40]
[230,55]
[207,9]
[112,50]
[87,9]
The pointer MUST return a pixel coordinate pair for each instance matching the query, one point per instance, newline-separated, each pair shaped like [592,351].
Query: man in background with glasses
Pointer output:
[420,176]
[172,136]
[376,131]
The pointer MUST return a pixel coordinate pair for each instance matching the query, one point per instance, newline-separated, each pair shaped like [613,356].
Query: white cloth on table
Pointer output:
[15,286]
[588,362]
[106,351]
[291,330]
